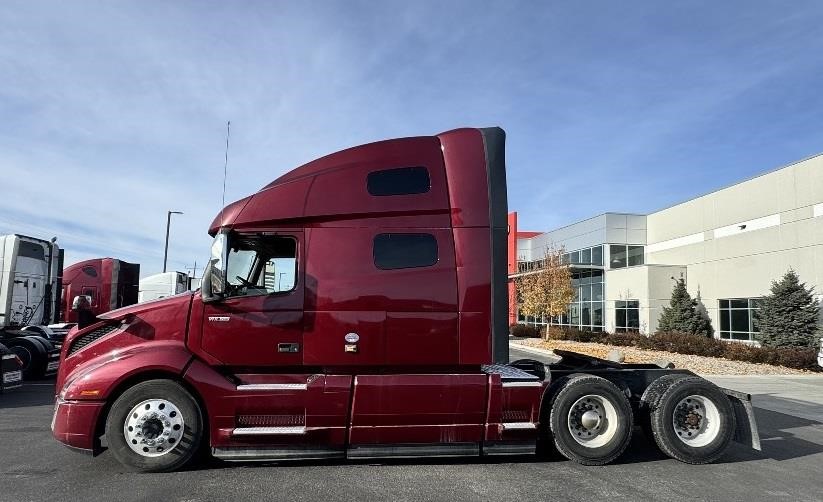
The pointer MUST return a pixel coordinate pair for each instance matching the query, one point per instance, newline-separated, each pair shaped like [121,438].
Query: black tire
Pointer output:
[32,353]
[594,394]
[650,399]
[718,432]
[181,452]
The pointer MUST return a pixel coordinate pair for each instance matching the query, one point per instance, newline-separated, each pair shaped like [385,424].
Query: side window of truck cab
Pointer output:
[261,264]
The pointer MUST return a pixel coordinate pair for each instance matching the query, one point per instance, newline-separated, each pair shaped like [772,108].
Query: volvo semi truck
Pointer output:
[30,274]
[356,307]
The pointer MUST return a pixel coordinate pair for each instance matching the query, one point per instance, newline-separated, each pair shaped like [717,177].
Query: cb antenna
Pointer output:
[225,169]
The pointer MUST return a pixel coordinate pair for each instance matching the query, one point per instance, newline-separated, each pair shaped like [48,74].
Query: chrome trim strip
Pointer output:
[270,454]
[267,431]
[272,386]
[522,384]
[414,450]
[516,426]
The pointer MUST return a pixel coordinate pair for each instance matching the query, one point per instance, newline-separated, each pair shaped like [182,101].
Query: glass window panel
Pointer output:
[574,314]
[617,256]
[724,320]
[575,257]
[755,303]
[755,326]
[633,318]
[740,336]
[585,278]
[621,317]
[393,251]
[597,276]
[633,304]
[739,304]
[597,291]
[586,293]
[724,304]
[586,256]
[740,320]
[587,314]
[725,335]
[597,255]
[635,255]
[619,304]
[597,314]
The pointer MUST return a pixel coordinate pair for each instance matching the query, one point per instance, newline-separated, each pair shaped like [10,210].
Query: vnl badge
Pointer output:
[351,342]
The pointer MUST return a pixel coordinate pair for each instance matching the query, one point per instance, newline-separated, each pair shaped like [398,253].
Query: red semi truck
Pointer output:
[108,283]
[356,307]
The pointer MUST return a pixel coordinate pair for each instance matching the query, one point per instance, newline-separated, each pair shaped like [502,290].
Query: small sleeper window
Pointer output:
[393,251]
[400,181]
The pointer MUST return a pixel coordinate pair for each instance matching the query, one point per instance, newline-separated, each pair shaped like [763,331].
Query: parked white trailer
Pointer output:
[30,275]
[162,285]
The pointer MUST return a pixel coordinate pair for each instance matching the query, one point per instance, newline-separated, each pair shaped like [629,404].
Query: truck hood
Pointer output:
[140,308]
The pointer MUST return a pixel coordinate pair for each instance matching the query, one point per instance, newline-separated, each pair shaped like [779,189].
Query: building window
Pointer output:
[622,256]
[400,181]
[737,320]
[393,251]
[586,310]
[627,315]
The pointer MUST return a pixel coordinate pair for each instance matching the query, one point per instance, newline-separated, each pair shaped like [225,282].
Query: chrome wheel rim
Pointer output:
[696,420]
[593,421]
[153,427]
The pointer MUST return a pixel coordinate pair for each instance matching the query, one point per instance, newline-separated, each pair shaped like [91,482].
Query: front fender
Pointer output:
[97,378]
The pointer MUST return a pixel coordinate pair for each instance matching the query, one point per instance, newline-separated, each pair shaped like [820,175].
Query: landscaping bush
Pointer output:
[523,331]
[572,334]
[687,343]
[627,339]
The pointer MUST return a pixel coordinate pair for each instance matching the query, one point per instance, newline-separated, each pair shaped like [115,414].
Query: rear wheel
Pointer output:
[155,426]
[591,420]
[693,421]
[32,354]
[650,399]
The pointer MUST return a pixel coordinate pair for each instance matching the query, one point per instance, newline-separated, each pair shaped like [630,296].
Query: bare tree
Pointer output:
[548,290]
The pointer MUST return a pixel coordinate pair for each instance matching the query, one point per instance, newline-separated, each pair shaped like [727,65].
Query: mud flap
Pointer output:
[746,433]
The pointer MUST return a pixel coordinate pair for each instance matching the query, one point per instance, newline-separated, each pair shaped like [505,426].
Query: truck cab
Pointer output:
[355,307]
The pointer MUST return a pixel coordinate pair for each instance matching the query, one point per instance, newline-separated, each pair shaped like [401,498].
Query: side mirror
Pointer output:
[81,302]
[212,285]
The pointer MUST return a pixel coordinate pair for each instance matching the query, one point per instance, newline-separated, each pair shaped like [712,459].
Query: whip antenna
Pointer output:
[225,170]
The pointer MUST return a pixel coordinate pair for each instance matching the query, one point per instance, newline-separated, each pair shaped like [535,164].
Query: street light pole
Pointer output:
[168,224]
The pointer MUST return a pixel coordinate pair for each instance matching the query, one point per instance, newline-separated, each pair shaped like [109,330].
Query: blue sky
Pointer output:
[113,113]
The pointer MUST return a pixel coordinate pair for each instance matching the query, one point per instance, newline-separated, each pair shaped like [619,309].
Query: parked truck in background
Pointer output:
[157,286]
[108,283]
[356,307]
[30,278]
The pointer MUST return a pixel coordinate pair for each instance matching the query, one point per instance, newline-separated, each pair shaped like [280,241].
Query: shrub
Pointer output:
[788,316]
[627,339]
[687,343]
[572,334]
[523,331]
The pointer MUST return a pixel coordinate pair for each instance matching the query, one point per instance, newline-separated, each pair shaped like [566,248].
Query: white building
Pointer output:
[729,245]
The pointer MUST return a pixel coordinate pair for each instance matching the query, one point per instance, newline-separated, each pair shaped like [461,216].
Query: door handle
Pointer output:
[288,347]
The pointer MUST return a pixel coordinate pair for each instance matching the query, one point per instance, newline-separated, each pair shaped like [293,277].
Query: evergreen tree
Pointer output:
[682,314]
[788,316]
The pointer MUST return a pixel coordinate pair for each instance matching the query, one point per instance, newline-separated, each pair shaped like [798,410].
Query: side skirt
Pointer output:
[414,450]
[276,454]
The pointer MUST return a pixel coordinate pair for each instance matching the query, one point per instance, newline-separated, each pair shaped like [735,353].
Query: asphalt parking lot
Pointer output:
[789,411]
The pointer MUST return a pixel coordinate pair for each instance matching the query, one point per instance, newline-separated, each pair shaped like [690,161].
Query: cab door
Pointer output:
[260,321]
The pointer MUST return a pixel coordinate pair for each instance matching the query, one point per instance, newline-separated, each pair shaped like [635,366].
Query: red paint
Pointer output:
[424,333]
[110,282]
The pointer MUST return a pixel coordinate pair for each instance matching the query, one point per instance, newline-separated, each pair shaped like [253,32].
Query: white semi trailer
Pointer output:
[30,275]
[162,285]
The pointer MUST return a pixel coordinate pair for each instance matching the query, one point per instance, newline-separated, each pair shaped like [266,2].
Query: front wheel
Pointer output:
[693,421]
[591,420]
[155,426]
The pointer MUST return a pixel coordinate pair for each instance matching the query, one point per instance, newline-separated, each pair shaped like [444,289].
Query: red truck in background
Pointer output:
[356,307]
[108,283]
